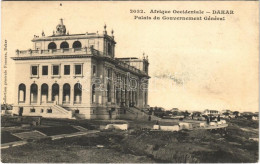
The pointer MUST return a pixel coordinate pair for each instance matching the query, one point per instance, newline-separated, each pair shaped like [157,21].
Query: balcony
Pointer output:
[60,53]
[127,66]
[51,52]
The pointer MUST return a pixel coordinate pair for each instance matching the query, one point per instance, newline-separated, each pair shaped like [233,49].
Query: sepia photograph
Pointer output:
[130,82]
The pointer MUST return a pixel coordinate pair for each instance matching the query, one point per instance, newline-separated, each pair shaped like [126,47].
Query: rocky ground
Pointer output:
[238,144]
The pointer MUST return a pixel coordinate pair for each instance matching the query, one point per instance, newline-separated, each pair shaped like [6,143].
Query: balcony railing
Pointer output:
[52,51]
[73,51]
[125,65]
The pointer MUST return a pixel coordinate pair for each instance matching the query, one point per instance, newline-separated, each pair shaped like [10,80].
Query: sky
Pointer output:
[194,65]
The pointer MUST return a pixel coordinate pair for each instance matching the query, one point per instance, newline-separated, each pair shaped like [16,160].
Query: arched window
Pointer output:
[66,93]
[64,45]
[21,93]
[44,93]
[77,93]
[55,92]
[52,46]
[76,44]
[34,93]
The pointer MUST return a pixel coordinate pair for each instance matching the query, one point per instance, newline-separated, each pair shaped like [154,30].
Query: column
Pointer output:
[60,99]
[137,94]
[104,94]
[39,95]
[112,86]
[27,94]
[49,94]
[120,90]
[72,94]
[130,97]
[104,97]
[122,96]
[86,94]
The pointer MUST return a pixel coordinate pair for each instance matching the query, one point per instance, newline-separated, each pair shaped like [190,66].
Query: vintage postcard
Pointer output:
[130,82]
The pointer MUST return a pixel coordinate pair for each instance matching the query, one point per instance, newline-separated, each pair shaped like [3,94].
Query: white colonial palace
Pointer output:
[77,76]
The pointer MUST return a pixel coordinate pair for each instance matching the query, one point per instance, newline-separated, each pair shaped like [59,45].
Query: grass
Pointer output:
[8,121]
[193,146]
[6,137]
[242,122]
[50,131]
[78,149]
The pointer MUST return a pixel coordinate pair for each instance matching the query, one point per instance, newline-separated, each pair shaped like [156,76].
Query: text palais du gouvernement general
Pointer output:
[186,12]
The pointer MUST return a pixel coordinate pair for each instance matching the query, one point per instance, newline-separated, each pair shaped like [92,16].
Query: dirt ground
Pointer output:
[140,145]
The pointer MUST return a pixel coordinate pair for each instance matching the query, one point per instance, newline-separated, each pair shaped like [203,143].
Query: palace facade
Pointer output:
[78,76]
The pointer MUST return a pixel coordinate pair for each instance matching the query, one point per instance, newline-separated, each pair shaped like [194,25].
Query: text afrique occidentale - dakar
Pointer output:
[191,11]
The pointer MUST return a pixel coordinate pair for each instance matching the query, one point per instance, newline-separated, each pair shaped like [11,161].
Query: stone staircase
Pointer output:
[136,113]
[143,114]
[62,110]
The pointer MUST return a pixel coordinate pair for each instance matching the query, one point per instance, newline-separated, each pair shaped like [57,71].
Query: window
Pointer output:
[44,70]
[109,49]
[42,110]
[55,70]
[52,46]
[146,68]
[108,93]
[93,93]
[32,110]
[78,69]
[49,110]
[22,93]
[76,44]
[109,73]
[94,70]
[77,111]
[34,70]
[64,45]
[66,69]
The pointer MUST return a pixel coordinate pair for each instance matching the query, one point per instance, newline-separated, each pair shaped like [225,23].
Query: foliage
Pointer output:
[8,137]
[6,107]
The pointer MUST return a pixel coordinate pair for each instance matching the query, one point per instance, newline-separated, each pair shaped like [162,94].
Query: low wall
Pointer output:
[185,125]
[117,126]
[167,128]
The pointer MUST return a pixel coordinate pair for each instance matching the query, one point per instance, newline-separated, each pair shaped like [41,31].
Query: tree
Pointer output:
[168,112]
[6,107]
[198,114]
[226,114]
[175,113]
[185,114]
[236,113]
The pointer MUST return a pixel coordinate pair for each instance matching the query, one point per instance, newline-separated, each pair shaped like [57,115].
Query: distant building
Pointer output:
[211,112]
[255,118]
[174,109]
[247,113]
[196,113]
[226,111]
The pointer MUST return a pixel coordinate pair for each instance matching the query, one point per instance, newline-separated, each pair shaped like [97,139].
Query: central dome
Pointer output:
[61,28]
